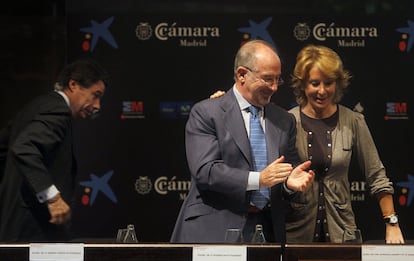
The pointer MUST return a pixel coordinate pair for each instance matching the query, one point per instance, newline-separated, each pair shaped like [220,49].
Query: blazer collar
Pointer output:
[234,123]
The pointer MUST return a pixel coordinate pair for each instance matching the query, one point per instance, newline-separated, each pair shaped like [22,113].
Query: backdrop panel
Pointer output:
[132,159]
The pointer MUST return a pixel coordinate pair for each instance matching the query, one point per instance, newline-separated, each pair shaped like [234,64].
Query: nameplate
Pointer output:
[56,252]
[387,252]
[219,253]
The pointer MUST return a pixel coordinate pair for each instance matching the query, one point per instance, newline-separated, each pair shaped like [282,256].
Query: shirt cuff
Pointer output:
[288,190]
[47,194]
[253,182]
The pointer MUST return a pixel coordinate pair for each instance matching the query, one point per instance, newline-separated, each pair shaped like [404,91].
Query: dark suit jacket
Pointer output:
[219,158]
[39,154]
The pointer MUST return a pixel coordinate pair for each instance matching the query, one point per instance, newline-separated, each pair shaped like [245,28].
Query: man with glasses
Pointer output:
[223,162]
[268,80]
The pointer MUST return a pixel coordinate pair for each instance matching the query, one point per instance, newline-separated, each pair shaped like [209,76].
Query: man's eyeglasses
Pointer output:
[268,80]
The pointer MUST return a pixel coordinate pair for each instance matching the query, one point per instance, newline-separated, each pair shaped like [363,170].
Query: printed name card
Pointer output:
[56,252]
[219,253]
[387,252]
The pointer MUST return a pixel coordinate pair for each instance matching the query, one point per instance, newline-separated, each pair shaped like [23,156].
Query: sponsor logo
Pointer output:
[143,31]
[143,185]
[346,36]
[407,191]
[132,110]
[162,186]
[407,37]
[257,31]
[301,31]
[396,111]
[175,110]
[188,36]
[96,32]
[97,184]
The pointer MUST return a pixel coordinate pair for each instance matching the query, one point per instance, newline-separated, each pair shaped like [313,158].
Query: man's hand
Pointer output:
[300,179]
[276,172]
[217,94]
[59,211]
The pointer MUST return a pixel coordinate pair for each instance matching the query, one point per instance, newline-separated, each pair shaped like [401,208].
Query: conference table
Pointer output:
[184,252]
[140,251]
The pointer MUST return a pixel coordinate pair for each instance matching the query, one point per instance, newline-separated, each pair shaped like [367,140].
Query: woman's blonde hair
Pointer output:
[327,61]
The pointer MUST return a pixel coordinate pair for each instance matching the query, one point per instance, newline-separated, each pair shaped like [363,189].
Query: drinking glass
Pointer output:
[127,235]
[233,235]
[121,235]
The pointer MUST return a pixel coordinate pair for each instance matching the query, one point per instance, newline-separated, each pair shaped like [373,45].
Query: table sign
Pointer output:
[387,252]
[56,252]
[219,253]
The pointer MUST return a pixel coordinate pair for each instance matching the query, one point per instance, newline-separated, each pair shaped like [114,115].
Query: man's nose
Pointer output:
[97,104]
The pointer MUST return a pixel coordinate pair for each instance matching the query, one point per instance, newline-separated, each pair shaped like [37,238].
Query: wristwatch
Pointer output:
[391,219]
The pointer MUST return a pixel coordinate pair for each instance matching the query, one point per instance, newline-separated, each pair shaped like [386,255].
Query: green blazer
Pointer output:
[351,135]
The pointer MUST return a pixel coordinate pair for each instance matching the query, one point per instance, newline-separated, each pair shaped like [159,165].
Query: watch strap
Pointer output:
[391,219]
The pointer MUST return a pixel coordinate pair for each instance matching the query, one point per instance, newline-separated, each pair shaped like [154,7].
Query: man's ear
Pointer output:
[241,72]
[72,85]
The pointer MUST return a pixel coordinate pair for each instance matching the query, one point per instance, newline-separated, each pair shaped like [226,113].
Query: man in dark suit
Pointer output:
[37,156]
[220,158]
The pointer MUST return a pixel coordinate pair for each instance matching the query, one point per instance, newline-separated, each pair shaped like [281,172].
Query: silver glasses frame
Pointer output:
[269,82]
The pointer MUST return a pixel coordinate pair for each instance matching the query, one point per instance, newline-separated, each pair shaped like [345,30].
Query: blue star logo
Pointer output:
[100,30]
[410,185]
[410,32]
[100,184]
[258,30]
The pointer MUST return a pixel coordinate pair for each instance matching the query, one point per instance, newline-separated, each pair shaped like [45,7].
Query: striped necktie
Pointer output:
[258,145]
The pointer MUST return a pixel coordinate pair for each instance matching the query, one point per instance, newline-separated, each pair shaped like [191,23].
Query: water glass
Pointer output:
[120,236]
[127,235]
[233,235]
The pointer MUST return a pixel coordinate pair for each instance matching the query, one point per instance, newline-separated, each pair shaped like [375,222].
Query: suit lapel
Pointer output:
[272,134]
[234,123]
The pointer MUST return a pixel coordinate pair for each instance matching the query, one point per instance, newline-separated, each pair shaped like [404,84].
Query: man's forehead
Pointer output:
[98,87]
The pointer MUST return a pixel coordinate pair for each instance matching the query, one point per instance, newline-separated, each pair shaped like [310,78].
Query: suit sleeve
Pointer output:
[34,147]
[369,159]
[291,152]
[212,155]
